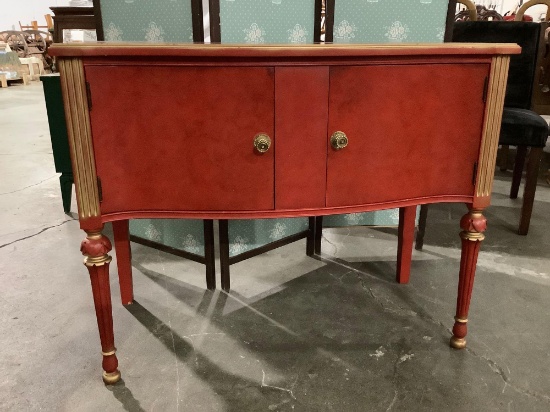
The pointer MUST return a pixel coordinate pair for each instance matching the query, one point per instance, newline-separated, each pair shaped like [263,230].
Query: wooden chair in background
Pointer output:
[265,21]
[520,126]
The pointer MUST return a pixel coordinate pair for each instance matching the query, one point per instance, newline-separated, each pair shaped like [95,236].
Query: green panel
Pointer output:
[267,21]
[185,235]
[246,235]
[56,120]
[383,21]
[389,217]
[147,20]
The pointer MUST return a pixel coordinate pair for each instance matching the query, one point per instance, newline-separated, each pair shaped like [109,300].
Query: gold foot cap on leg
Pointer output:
[458,343]
[111,378]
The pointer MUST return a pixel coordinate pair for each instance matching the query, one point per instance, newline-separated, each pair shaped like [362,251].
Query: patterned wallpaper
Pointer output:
[394,21]
[147,20]
[267,21]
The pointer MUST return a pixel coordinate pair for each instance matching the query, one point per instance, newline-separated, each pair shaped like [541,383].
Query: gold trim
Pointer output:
[111,378]
[73,87]
[473,236]
[491,129]
[461,320]
[112,352]
[378,46]
[90,261]
[458,343]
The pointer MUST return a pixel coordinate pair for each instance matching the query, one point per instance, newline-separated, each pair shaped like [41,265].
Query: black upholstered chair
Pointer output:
[520,127]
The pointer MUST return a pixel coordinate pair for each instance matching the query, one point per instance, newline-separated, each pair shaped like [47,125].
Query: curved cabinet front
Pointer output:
[251,139]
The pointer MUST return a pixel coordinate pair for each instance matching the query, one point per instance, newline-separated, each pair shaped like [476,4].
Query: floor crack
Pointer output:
[495,367]
[26,187]
[36,234]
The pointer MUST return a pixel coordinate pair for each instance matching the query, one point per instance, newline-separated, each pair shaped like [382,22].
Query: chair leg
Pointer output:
[318,234]
[224,255]
[124,260]
[66,181]
[504,153]
[209,254]
[518,171]
[421,227]
[529,190]
[405,238]
[310,240]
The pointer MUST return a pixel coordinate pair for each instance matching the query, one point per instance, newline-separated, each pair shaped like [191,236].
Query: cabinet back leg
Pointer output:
[405,237]
[124,260]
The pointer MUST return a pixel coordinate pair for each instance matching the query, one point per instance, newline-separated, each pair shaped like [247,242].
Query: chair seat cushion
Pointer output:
[522,127]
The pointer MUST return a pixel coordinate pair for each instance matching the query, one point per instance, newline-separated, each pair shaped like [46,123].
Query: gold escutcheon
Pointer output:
[338,140]
[262,142]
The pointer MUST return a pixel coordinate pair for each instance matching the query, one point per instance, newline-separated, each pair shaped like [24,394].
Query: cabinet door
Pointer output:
[413,130]
[182,138]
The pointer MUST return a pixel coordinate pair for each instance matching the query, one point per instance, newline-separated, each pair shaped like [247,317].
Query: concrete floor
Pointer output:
[296,333]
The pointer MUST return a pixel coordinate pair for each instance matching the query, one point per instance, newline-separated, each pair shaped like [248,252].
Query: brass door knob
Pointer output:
[338,140]
[262,142]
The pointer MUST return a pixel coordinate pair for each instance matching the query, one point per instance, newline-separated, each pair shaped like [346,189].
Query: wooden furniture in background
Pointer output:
[58,135]
[67,18]
[253,21]
[224,175]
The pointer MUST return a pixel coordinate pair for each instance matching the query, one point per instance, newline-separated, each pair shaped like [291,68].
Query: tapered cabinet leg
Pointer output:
[405,239]
[473,225]
[95,248]
[209,254]
[224,255]
[121,234]
[66,181]
[529,189]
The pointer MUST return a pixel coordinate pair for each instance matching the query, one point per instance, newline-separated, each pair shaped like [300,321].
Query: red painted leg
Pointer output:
[473,225]
[405,239]
[95,247]
[124,260]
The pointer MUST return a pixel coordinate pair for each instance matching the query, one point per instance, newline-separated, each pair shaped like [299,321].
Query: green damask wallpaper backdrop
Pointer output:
[185,235]
[267,21]
[147,20]
[394,21]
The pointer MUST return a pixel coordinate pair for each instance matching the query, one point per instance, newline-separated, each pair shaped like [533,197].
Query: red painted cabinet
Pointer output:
[169,132]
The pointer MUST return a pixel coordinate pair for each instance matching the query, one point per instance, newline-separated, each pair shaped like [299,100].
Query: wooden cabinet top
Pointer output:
[281,51]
